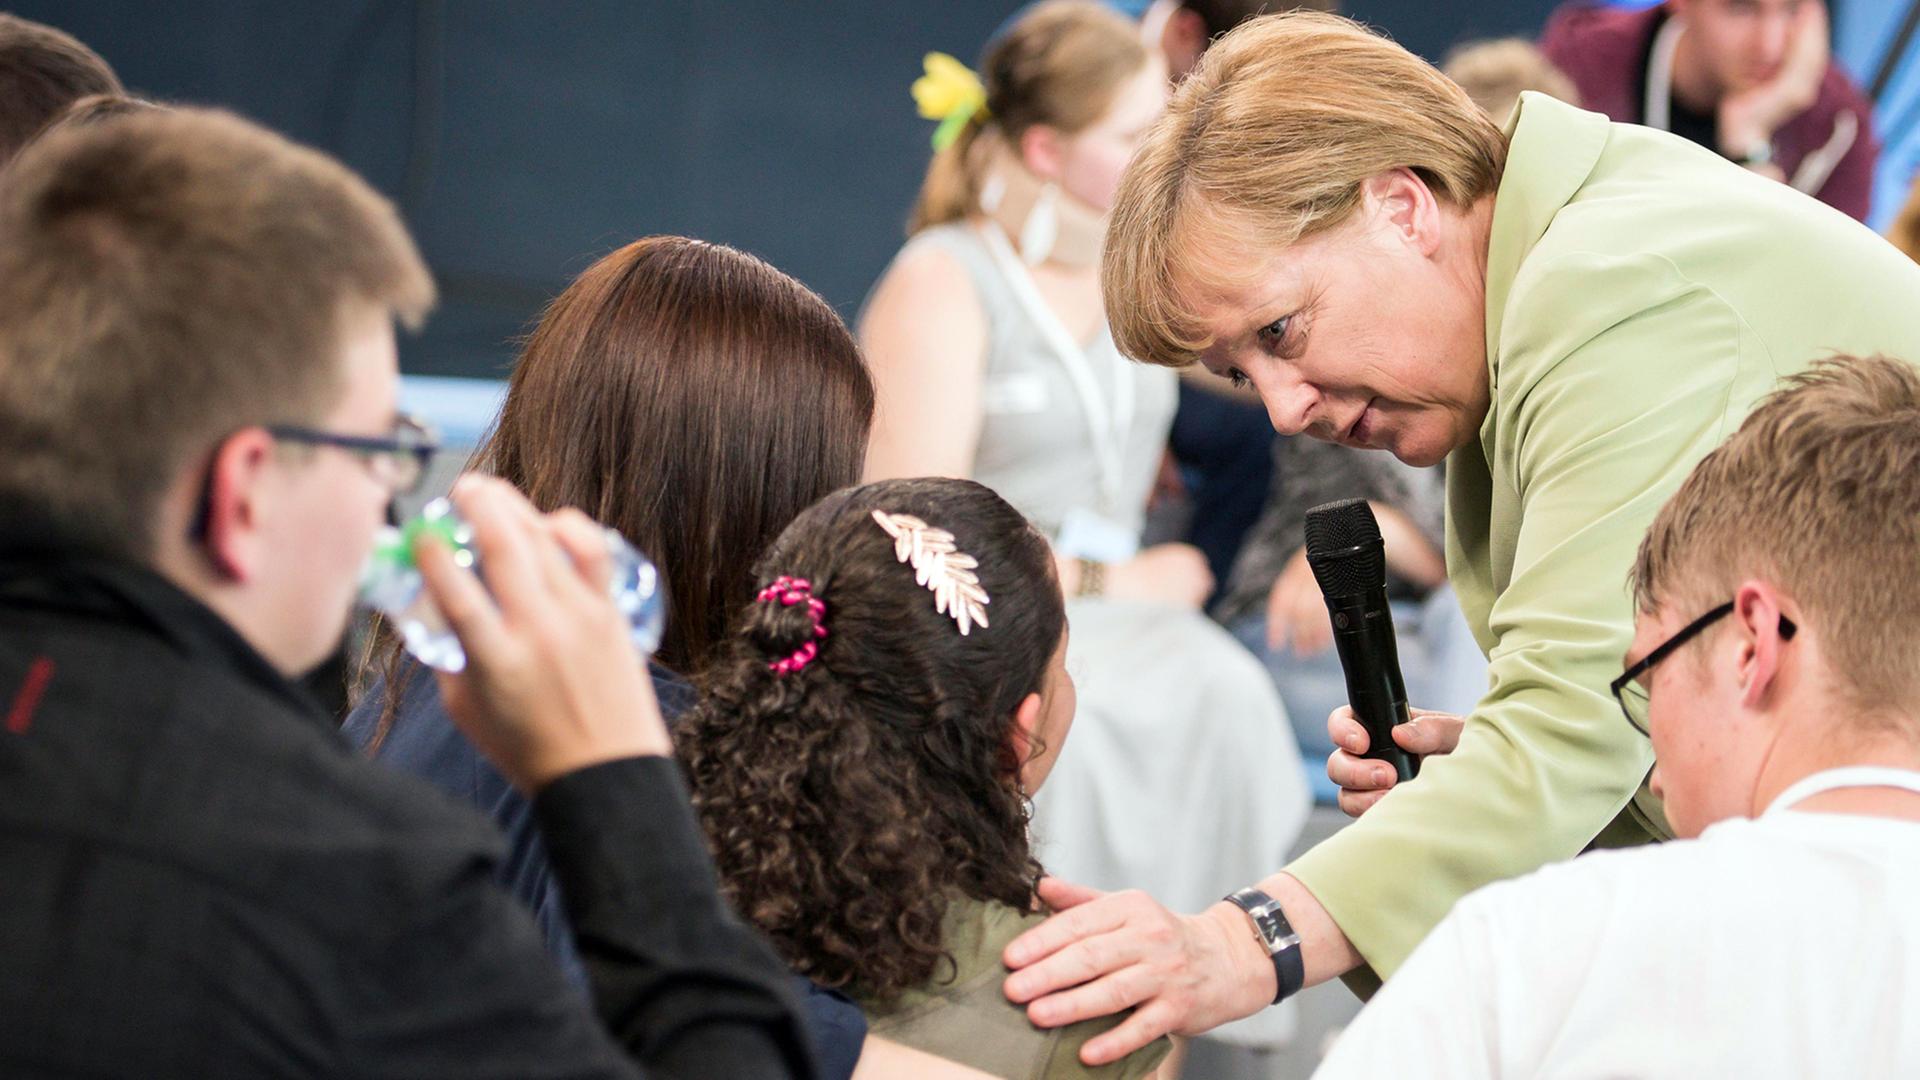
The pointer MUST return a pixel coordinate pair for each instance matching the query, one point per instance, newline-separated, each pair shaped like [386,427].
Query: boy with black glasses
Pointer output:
[1776,667]
[198,440]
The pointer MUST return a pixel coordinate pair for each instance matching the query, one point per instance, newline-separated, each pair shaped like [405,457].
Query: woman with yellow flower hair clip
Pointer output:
[991,357]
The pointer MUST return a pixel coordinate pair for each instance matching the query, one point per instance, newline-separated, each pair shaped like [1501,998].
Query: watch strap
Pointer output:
[1277,935]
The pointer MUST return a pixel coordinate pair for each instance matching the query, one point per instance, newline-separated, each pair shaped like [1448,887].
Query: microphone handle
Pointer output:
[1363,632]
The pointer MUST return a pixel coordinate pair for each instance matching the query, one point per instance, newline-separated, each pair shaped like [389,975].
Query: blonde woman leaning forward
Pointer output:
[1571,312]
[991,354]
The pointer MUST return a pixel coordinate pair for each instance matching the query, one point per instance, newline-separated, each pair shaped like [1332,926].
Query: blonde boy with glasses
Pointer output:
[1776,668]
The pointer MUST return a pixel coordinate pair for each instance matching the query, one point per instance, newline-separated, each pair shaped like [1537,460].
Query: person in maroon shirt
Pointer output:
[1751,79]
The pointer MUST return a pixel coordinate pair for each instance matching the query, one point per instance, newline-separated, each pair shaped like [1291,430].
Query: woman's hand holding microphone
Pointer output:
[1362,781]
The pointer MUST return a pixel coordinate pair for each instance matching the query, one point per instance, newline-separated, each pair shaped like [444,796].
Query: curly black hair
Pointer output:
[847,804]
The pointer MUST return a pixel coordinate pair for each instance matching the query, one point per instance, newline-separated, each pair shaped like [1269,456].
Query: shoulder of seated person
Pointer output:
[1065,1063]
[1597,878]
[977,931]
[924,266]
[989,924]
[927,298]
[320,830]
[305,780]
[1002,924]
[367,805]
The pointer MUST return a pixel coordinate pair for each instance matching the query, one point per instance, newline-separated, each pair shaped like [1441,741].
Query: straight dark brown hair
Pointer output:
[695,399]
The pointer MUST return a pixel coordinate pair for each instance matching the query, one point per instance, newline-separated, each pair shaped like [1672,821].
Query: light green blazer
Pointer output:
[1642,294]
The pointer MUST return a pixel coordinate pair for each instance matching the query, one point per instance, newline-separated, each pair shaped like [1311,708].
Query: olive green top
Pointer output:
[968,1019]
[1642,294]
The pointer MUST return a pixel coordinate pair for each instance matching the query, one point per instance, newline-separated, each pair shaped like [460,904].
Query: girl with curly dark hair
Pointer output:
[865,754]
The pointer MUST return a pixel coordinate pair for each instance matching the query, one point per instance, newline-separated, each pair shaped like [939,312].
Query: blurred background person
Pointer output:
[1753,80]
[993,360]
[864,764]
[1495,73]
[1182,29]
[694,399]
[42,72]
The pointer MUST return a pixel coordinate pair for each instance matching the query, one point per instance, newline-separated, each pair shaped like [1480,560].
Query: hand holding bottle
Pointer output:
[552,682]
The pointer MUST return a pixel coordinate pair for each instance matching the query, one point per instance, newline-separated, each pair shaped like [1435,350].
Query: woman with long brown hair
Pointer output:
[863,759]
[991,353]
[695,399]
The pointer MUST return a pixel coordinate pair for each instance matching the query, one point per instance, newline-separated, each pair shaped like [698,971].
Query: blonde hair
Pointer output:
[1061,66]
[1819,493]
[1495,73]
[1276,130]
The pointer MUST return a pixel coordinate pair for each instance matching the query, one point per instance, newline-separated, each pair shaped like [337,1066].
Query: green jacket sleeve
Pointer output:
[1597,413]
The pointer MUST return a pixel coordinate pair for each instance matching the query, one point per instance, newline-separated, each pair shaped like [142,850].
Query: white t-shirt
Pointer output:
[1787,946]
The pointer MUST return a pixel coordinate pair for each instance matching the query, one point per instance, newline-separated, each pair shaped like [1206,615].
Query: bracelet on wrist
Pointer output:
[1093,578]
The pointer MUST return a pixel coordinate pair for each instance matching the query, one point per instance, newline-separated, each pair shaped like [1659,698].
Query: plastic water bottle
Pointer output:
[391,584]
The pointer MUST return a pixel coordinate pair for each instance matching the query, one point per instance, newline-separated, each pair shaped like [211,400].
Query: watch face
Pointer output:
[1275,932]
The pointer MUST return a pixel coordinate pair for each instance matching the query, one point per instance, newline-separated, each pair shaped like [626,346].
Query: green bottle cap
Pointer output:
[394,547]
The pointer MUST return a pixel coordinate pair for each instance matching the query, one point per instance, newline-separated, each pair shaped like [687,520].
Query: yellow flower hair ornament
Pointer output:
[949,93]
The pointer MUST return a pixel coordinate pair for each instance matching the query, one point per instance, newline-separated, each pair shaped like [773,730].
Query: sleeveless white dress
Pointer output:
[1181,775]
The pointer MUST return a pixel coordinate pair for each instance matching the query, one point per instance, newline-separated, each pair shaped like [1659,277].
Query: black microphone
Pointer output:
[1350,563]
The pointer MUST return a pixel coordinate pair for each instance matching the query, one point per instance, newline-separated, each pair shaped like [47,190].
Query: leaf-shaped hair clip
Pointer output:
[938,564]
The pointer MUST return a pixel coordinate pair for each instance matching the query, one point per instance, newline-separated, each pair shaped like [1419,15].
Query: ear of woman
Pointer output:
[1407,206]
[1040,151]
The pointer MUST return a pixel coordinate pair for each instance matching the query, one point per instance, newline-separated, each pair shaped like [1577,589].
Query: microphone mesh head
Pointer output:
[1334,531]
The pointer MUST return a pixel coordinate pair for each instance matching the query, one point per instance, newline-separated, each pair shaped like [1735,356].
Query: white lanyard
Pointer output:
[1659,102]
[1108,426]
[1854,776]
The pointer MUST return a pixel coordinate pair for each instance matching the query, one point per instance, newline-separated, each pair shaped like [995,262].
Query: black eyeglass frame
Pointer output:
[1669,647]
[421,445]
[421,451]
